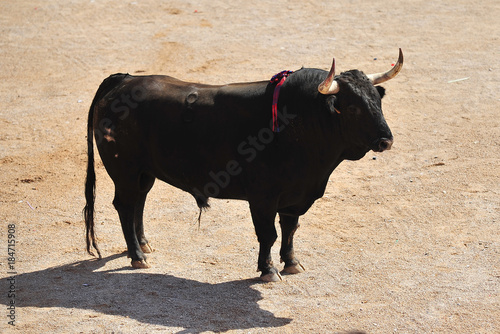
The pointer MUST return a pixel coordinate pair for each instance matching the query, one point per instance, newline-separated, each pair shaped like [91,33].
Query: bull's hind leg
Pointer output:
[125,203]
[145,183]
[139,225]
[289,225]
[129,202]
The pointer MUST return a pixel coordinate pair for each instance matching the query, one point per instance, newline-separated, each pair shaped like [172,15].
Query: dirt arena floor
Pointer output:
[406,241]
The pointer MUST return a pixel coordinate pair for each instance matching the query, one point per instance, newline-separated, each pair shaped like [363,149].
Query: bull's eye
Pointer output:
[353,109]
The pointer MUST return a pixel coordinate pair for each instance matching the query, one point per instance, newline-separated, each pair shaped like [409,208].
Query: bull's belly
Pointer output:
[202,181]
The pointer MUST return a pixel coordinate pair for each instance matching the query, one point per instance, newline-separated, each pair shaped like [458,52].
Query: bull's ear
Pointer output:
[381,91]
[330,103]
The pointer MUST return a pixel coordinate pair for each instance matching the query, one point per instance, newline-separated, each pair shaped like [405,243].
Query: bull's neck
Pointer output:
[315,131]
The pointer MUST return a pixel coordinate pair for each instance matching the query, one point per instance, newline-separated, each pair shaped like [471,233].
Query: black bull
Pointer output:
[216,141]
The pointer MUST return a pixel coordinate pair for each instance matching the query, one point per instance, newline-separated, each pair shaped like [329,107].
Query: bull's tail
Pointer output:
[88,211]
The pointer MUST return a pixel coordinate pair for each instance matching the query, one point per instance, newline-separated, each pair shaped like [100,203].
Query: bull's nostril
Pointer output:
[385,144]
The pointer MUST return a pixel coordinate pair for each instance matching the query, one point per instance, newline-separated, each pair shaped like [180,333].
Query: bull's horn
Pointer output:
[383,77]
[329,86]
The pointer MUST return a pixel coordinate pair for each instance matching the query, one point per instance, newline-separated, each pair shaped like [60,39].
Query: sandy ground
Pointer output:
[407,242]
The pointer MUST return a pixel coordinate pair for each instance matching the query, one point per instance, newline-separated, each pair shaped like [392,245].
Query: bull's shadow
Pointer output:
[149,298]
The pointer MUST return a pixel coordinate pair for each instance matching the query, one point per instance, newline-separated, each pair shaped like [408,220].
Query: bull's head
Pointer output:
[358,101]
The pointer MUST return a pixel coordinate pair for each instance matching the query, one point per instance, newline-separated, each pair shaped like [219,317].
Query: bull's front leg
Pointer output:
[289,225]
[263,220]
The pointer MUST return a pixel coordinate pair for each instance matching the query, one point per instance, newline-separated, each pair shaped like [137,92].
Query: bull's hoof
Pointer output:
[271,277]
[140,264]
[147,248]
[294,269]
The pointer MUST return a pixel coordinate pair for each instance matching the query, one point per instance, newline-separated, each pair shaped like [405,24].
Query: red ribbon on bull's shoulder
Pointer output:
[279,79]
